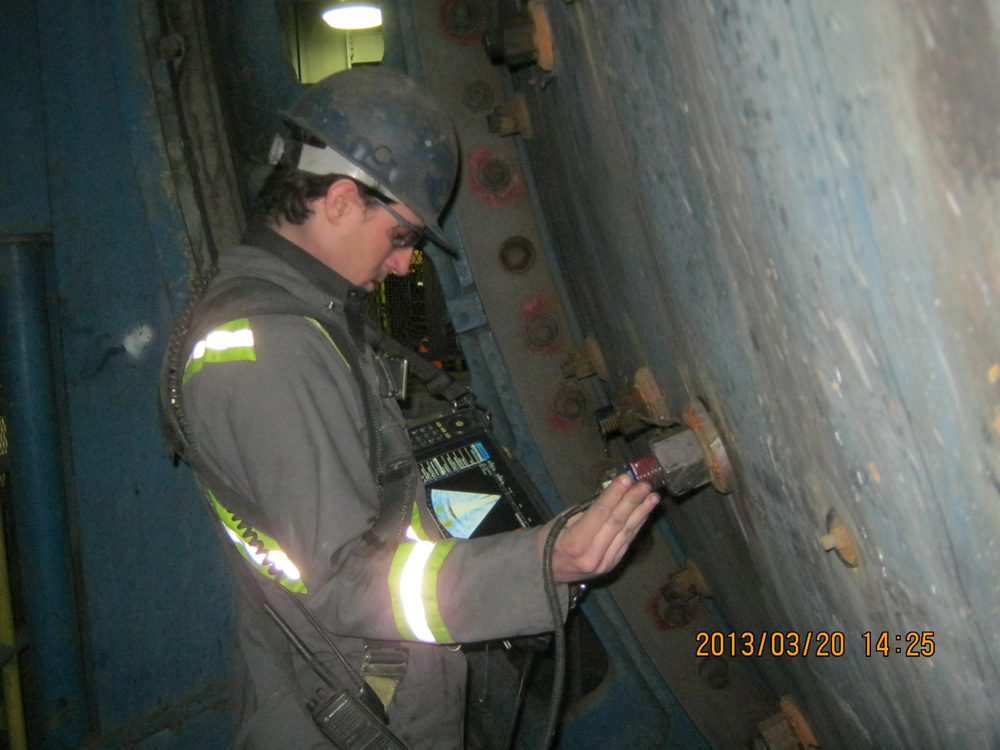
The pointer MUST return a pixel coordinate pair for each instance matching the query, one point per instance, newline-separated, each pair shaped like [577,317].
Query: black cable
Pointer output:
[529,661]
[180,438]
[559,634]
[188,152]
[315,664]
[351,671]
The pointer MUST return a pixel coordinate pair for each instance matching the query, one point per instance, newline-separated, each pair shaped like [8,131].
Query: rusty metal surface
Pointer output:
[789,211]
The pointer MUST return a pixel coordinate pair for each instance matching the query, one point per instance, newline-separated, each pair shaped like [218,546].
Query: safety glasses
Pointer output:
[406,234]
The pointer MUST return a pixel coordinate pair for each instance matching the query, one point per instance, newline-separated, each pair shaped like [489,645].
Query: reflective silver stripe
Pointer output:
[231,342]
[411,587]
[220,340]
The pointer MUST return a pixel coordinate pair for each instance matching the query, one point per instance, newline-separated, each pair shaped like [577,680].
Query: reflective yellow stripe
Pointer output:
[413,580]
[230,342]
[260,550]
[332,342]
[411,587]
[415,531]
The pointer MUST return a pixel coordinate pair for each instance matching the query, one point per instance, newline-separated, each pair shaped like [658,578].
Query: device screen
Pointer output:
[472,487]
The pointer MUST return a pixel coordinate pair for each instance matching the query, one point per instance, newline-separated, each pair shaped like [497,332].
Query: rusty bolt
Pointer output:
[495,175]
[686,584]
[649,393]
[522,39]
[543,34]
[636,408]
[691,458]
[517,254]
[838,538]
[512,43]
[511,117]
[478,96]
[697,418]
[786,730]
[609,422]
[542,330]
[586,362]
[682,463]
[775,733]
[798,723]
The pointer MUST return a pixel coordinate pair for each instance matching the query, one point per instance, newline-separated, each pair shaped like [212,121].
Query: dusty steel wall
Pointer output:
[524,330]
[790,211]
[110,180]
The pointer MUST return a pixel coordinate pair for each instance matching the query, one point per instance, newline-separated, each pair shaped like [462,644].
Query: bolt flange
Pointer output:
[636,408]
[511,117]
[693,457]
[723,477]
[586,362]
[838,538]
[524,38]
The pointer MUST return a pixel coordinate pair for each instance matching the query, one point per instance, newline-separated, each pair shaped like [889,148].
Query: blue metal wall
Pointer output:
[790,210]
[87,166]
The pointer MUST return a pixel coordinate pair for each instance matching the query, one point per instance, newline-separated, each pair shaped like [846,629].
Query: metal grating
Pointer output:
[412,310]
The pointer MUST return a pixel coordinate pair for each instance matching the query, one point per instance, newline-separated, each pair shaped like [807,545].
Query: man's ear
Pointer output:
[341,198]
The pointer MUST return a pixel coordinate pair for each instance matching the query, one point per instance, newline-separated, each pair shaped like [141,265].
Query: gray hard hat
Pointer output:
[385,131]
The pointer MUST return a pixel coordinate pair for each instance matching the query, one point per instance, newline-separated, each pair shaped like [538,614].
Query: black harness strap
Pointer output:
[245,297]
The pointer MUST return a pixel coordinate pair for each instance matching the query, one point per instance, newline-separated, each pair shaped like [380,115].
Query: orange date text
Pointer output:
[778,643]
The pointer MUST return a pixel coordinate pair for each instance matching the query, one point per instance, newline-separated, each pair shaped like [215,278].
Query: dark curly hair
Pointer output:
[287,193]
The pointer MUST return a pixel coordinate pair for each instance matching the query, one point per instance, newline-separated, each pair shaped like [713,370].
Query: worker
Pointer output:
[290,415]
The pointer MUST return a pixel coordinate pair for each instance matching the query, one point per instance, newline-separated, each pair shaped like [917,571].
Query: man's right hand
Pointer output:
[593,542]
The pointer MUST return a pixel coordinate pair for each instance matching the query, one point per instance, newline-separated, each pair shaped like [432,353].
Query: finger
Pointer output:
[633,500]
[609,498]
[641,511]
[630,504]
[621,542]
[620,497]
[602,530]
[601,509]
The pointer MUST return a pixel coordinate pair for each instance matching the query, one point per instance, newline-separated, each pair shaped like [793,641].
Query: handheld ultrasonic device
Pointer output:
[474,486]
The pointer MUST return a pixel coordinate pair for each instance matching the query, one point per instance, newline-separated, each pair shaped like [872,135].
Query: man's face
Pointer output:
[373,257]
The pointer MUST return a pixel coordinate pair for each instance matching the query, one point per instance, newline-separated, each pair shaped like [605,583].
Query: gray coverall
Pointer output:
[278,414]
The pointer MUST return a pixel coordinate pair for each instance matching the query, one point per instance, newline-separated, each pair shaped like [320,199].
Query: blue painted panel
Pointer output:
[24,203]
[156,596]
[37,491]
[205,731]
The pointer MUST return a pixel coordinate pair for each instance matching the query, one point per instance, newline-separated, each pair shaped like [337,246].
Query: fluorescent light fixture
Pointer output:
[353,14]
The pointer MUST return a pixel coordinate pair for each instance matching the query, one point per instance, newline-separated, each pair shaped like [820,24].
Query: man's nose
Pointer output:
[398,262]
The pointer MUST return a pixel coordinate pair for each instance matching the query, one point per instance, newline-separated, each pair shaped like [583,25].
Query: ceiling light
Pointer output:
[353,14]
